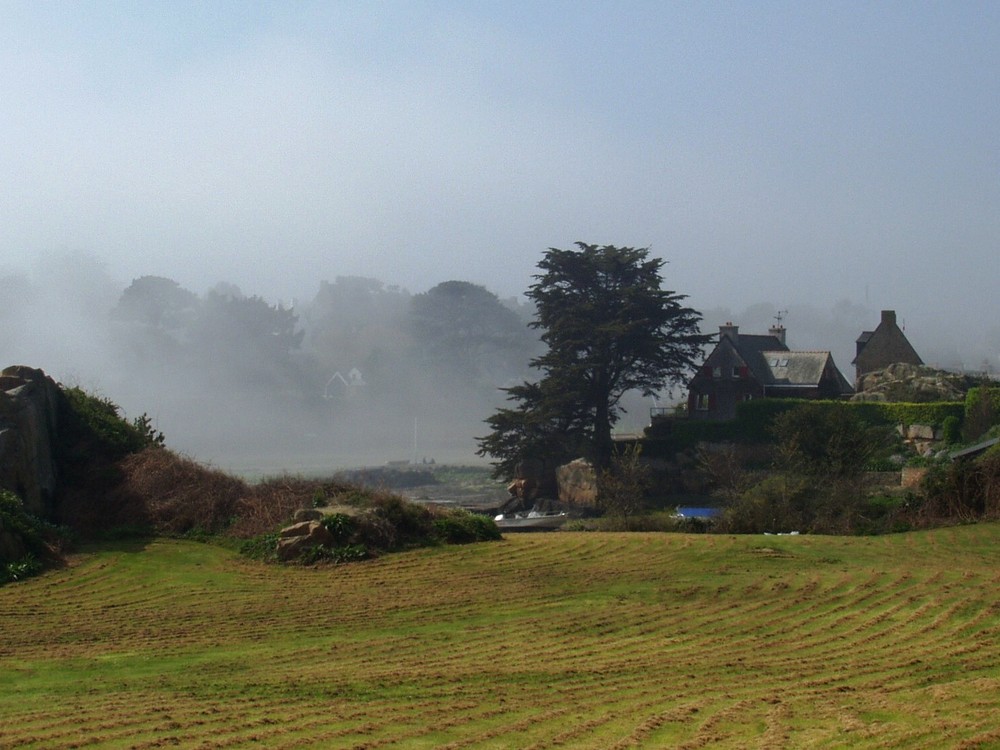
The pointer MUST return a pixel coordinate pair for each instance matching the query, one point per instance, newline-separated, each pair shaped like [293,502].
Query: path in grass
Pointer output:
[567,639]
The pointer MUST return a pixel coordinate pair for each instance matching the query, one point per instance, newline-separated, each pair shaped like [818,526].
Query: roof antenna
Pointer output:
[780,316]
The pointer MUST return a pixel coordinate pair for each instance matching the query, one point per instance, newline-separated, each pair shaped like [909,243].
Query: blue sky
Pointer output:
[771,152]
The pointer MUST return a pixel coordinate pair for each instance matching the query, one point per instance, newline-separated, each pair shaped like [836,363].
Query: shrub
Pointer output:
[463,527]
[170,494]
[622,487]
[661,521]
[411,524]
[30,541]
[755,419]
[18,570]
[982,411]
[817,440]
[17,522]
[778,503]
[951,428]
[262,547]
[965,490]
[340,526]
[349,553]
[272,502]
[151,437]
[98,422]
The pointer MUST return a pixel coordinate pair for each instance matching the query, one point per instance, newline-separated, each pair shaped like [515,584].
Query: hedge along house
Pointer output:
[884,346]
[743,367]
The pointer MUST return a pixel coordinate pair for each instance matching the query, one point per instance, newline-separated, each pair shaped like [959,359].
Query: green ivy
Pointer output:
[340,525]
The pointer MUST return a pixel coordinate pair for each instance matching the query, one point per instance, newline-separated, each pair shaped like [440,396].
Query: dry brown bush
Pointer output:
[274,501]
[159,490]
[177,494]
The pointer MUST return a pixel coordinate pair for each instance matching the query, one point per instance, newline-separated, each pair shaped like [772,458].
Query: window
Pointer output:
[716,372]
[701,404]
[736,371]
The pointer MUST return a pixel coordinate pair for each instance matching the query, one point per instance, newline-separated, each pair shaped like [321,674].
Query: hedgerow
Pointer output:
[754,420]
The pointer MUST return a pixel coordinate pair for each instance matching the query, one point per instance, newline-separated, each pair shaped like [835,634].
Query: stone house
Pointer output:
[884,346]
[747,366]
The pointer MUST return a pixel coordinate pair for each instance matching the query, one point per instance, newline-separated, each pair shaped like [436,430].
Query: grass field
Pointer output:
[568,639]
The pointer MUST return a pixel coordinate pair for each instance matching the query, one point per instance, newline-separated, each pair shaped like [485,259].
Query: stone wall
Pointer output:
[29,402]
[923,439]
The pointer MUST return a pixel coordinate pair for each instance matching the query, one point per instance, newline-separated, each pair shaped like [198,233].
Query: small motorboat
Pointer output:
[531,520]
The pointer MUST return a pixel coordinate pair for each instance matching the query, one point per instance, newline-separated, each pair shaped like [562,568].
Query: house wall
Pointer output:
[721,383]
[887,345]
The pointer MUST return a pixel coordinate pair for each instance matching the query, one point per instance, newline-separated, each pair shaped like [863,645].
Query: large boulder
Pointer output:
[297,538]
[29,402]
[534,479]
[577,484]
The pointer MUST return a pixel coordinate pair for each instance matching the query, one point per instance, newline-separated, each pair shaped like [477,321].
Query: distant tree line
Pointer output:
[457,338]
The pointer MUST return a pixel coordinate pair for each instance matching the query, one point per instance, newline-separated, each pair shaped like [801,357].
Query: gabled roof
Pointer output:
[887,343]
[794,368]
[773,365]
[750,348]
[799,369]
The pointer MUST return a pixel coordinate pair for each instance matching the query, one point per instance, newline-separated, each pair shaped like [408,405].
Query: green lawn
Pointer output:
[567,639]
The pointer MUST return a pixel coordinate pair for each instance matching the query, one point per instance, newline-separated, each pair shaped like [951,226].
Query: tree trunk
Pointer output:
[602,437]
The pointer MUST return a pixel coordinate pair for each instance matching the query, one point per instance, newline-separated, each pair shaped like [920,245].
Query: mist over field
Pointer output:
[809,162]
[358,373]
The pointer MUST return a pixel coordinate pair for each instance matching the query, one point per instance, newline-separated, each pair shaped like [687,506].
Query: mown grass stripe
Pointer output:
[822,641]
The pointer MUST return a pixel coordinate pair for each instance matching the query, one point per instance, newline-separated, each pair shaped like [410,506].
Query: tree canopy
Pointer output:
[155,301]
[609,328]
[465,328]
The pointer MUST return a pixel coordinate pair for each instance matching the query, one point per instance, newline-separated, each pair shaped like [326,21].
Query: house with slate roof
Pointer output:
[884,346]
[747,366]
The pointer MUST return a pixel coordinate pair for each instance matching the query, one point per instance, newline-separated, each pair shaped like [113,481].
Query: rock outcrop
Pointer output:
[913,383]
[29,405]
[577,484]
[297,538]
[534,479]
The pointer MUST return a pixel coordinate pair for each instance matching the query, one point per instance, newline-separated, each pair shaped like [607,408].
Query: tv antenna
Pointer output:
[780,316]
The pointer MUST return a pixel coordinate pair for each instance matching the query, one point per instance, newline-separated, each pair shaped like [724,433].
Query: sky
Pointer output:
[771,152]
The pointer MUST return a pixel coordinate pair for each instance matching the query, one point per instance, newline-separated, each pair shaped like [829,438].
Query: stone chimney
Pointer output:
[729,331]
[778,332]
[888,318]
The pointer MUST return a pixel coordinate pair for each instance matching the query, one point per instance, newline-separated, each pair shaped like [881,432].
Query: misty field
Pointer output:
[567,639]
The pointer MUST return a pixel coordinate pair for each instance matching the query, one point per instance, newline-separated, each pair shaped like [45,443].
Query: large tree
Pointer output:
[609,328]
[463,328]
[157,302]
